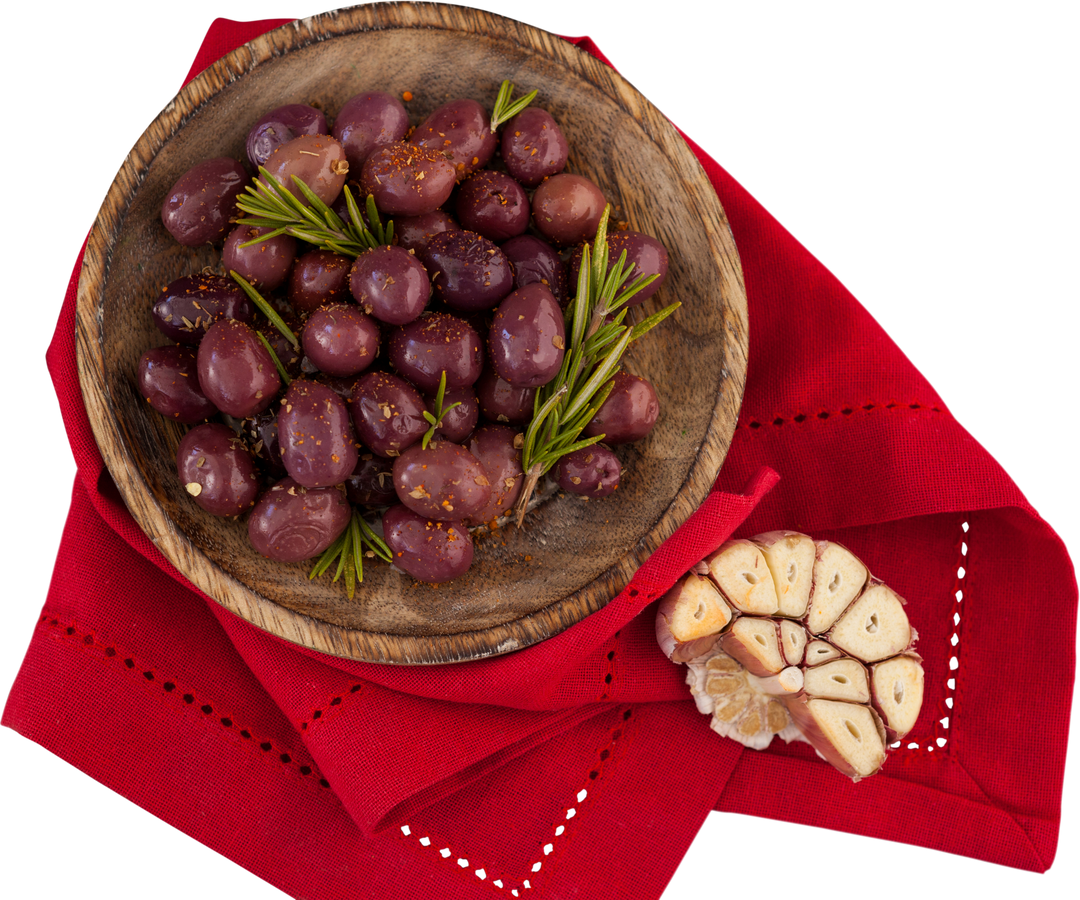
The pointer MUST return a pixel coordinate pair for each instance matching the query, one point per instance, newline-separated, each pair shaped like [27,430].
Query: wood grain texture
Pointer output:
[572,556]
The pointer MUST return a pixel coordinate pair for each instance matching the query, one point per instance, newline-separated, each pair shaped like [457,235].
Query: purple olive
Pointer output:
[443,481]
[422,350]
[591,472]
[261,435]
[187,307]
[646,253]
[388,413]
[527,340]
[459,422]
[169,380]
[500,401]
[316,435]
[498,448]
[317,278]
[390,284]
[317,160]
[414,232]
[407,180]
[198,207]
[340,339]
[236,372]
[291,523]
[534,261]
[216,469]
[290,357]
[629,412]
[265,264]
[281,125]
[429,551]
[459,128]
[468,272]
[567,209]
[369,121]
[493,205]
[533,146]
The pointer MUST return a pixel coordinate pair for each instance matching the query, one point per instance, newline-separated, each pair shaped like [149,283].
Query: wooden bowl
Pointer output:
[572,556]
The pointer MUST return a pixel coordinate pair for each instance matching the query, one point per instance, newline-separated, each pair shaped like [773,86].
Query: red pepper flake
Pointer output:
[407,96]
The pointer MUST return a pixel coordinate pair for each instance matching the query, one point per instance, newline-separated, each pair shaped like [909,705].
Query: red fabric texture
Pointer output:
[564,765]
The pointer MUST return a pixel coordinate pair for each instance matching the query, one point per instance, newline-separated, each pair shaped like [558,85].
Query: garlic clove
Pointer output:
[818,652]
[849,736]
[838,578]
[841,679]
[875,626]
[790,557]
[690,617]
[755,643]
[897,692]
[792,642]
[739,569]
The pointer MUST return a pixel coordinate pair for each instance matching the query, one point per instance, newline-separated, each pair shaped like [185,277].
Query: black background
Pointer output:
[915,166]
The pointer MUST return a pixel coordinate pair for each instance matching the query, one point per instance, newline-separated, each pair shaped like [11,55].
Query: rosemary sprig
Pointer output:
[355,542]
[565,405]
[266,309]
[504,110]
[268,204]
[435,421]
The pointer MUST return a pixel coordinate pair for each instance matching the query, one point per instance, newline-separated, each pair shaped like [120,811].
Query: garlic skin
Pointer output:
[786,636]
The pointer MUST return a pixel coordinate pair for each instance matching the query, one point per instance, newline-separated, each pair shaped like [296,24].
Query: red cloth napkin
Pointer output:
[560,768]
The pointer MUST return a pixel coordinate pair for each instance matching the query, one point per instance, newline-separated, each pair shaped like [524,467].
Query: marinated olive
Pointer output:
[198,207]
[646,253]
[498,449]
[533,146]
[390,284]
[407,180]
[169,380]
[340,339]
[316,435]
[468,272]
[459,422]
[281,125]
[493,205]
[427,550]
[442,481]
[422,350]
[317,160]
[371,482]
[388,413]
[567,208]
[461,129]
[591,472]
[369,121]
[291,523]
[265,264]
[500,401]
[317,278]
[527,340]
[414,232]
[187,307]
[216,469]
[236,372]
[629,412]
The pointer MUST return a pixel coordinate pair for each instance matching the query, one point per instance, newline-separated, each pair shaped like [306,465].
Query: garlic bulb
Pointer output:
[784,635]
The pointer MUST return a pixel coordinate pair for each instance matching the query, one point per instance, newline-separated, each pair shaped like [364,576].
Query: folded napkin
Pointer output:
[560,768]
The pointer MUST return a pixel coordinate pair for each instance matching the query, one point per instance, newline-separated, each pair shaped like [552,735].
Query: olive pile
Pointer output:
[417,361]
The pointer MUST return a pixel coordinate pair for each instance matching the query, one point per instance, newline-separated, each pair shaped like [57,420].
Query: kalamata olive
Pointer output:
[369,121]
[535,261]
[500,401]
[169,380]
[187,307]
[498,448]
[427,550]
[340,339]
[407,180]
[459,422]
[468,272]
[422,350]
[317,443]
[317,160]
[527,340]
[443,481]
[236,372]
[281,125]
[493,205]
[629,412]
[646,253]
[216,469]
[390,284]
[414,232]
[198,207]
[265,264]
[591,472]
[567,208]
[342,385]
[533,146]
[388,413]
[291,523]
[317,278]
[371,482]
[459,128]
